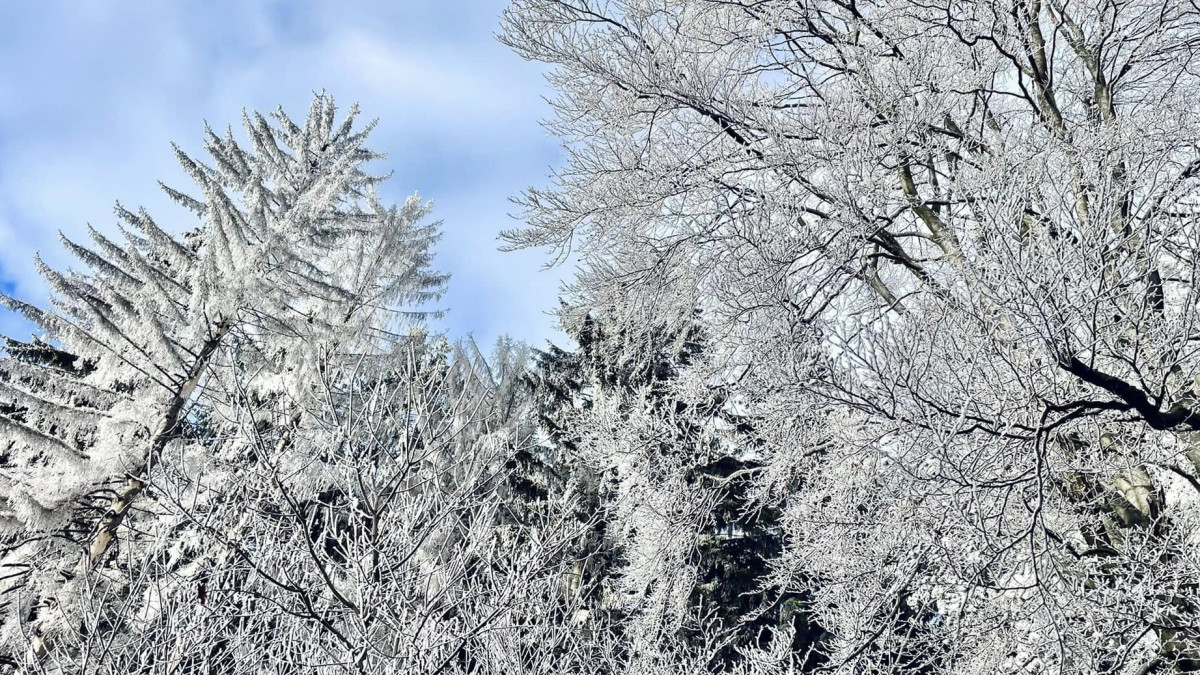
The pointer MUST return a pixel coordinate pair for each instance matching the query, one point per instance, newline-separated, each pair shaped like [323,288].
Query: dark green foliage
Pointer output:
[739,538]
[41,353]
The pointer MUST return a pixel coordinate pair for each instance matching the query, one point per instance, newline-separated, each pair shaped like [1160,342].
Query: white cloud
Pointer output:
[93,93]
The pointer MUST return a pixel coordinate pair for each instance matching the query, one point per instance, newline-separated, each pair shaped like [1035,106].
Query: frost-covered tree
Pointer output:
[364,529]
[159,345]
[677,573]
[948,250]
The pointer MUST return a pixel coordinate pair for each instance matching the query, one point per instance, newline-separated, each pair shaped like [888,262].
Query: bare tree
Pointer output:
[948,252]
[361,530]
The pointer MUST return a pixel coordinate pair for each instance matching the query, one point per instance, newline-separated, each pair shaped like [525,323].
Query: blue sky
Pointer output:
[92,92]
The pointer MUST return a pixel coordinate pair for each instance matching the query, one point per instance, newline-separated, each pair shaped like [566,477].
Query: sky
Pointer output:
[92,93]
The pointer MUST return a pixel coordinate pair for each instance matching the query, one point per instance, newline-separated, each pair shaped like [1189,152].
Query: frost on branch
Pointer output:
[947,252]
[289,263]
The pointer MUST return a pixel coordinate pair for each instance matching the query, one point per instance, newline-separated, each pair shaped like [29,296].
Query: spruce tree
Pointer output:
[289,261]
[700,445]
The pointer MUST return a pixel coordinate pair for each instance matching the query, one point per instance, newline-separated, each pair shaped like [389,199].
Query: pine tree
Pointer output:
[693,443]
[158,338]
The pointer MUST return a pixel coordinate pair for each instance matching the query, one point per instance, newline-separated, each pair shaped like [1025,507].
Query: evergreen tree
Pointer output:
[700,445]
[160,344]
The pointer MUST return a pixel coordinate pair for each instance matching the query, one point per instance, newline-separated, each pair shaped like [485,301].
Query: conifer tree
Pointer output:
[291,263]
[631,426]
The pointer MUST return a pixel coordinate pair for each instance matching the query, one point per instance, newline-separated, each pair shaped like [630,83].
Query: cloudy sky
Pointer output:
[92,92]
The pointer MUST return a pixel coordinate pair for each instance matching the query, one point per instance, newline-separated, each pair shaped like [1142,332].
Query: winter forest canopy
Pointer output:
[884,358]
